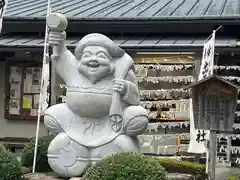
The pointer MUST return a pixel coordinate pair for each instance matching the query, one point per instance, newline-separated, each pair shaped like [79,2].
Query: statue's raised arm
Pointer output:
[65,60]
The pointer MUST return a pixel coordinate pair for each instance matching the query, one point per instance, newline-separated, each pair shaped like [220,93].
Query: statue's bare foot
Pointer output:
[66,157]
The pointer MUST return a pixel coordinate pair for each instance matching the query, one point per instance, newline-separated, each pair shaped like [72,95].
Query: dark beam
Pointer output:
[130,50]
[107,28]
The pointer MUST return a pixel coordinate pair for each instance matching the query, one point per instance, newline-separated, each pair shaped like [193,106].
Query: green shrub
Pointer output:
[236,177]
[10,168]
[175,166]
[2,148]
[25,170]
[126,166]
[41,160]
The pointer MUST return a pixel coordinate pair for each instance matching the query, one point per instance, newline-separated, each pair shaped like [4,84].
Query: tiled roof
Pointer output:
[126,9]
[124,42]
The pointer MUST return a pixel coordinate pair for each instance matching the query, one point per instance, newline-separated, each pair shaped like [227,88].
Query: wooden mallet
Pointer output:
[57,23]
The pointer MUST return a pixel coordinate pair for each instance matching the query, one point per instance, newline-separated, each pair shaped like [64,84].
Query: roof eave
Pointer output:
[126,48]
[136,19]
[214,76]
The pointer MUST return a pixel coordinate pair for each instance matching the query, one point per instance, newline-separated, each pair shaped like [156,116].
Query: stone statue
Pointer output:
[102,115]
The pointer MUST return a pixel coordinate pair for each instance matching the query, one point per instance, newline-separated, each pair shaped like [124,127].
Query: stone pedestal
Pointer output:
[177,176]
[41,176]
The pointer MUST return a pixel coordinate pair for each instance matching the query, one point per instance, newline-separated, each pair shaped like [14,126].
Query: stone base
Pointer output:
[47,176]
[41,176]
[177,176]
[52,176]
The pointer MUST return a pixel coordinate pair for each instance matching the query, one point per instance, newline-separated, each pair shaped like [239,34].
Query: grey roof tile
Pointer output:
[134,40]
[124,41]
[71,6]
[119,9]
[27,8]
[102,6]
[200,8]
[186,8]
[216,7]
[151,40]
[168,40]
[169,8]
[199,40]
[230,8]
[109,9]
[185,40]
[222,41]
[120,40]
[9,40]
[35,42]
[125,8]
[22,40]
[155,8]
[81,8]
[135,11]
[41,11]
[72,41]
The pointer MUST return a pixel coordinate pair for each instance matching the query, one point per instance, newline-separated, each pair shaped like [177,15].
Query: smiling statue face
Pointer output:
[95,63]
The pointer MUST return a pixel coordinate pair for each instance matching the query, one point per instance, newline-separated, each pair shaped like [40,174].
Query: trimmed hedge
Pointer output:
[2,148]
[10,168]
[126,166]
[236,177]
[175,166]
[41,160]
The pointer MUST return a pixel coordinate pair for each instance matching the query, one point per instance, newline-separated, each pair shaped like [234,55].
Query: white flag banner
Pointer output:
[45,84]
[45,81]
[3,7]
[197,140]
[207,64]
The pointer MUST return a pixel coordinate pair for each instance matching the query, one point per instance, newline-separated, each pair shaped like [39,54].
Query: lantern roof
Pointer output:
[212,77]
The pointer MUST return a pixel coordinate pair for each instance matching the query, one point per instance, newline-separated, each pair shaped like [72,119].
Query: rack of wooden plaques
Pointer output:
[161,84]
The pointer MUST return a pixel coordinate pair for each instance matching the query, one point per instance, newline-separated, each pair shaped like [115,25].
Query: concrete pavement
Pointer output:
[222,173]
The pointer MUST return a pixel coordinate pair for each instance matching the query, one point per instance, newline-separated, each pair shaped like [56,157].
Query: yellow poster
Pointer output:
[27,101]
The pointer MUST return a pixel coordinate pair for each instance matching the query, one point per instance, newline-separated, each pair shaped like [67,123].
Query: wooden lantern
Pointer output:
[214,104]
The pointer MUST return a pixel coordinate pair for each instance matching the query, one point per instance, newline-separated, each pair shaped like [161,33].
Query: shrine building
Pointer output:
[165,40]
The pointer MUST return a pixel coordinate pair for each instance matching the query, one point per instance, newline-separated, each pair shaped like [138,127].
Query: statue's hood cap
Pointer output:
[98,40]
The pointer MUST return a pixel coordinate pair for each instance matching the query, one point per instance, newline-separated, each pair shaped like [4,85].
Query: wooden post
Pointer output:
[229,152]
[198,158]
[213,153]
[178,140]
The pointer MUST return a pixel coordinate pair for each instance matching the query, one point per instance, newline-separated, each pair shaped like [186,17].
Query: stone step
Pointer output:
[177,176]
[40,176]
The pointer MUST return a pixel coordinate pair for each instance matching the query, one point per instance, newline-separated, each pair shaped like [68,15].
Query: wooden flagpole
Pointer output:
[212,145]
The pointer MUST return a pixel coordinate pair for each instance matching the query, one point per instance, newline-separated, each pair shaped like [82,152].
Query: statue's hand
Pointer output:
[56,40]
[120,85]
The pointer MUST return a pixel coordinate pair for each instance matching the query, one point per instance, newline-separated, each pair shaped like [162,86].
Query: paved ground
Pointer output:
[222,173]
